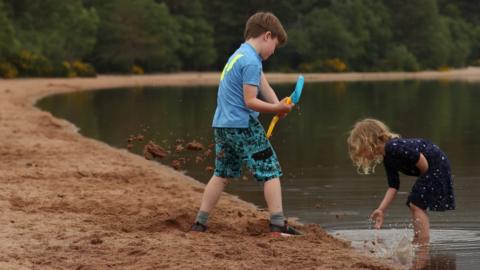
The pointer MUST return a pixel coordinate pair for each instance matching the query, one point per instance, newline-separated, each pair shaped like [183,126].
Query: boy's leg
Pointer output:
[263,163]
[421,225]
[227,165]
[212,193]
[273,196]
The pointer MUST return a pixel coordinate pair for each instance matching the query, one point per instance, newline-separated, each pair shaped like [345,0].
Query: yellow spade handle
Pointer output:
[275,120]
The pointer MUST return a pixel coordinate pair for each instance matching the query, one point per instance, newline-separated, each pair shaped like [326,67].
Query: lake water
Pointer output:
[320,184]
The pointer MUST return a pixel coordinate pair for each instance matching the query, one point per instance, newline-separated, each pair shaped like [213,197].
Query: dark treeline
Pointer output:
[81,37]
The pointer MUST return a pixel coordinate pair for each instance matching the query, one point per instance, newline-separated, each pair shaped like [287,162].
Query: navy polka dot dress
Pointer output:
[432,190]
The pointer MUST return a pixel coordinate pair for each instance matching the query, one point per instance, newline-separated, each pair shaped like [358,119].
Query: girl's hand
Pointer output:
[377,216]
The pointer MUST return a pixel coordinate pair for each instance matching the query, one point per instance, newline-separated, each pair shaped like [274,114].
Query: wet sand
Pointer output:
[70,202]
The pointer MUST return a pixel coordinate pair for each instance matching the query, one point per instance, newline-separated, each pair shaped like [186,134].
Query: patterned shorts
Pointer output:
[236,145]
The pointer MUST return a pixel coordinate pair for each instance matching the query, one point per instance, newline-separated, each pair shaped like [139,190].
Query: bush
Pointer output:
[399,58]
[329,65]
[74,69]
[83,69]
[306,67]
[31,64]
[334,65]
[138,70]
[8,71]
[443,68]
[65,69]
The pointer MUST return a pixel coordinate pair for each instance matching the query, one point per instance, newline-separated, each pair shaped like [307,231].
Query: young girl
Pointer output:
[371,142]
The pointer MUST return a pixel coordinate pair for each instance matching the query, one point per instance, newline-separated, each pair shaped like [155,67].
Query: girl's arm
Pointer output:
[252,102]
[378,214]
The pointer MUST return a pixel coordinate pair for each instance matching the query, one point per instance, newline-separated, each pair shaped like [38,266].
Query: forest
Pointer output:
[70,38]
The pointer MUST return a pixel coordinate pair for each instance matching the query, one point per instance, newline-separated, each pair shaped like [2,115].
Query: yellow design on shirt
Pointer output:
[230,64]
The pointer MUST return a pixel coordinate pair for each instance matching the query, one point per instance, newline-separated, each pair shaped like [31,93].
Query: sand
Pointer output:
[70,202]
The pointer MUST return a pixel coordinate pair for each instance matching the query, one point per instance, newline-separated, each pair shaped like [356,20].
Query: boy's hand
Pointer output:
[283,108]
[377,216]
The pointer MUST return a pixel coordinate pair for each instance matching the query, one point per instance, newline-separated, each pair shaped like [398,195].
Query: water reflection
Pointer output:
[320,185]
[423,260]
[395,244]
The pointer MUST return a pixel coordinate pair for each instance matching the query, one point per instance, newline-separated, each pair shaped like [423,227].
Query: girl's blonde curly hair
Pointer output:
[365,142]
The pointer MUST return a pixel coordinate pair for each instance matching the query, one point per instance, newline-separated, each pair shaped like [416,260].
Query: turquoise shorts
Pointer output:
[233,146]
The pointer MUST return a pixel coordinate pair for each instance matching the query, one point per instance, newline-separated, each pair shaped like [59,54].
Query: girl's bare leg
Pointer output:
[421,225]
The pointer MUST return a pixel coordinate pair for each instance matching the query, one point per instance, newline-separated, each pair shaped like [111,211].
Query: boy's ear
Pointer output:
[267,35]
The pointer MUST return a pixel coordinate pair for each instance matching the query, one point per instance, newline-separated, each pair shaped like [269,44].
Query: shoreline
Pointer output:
[68,201]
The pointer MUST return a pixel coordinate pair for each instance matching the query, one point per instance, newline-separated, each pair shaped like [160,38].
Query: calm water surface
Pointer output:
[319,184]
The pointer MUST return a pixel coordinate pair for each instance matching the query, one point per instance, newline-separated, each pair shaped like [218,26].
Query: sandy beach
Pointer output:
[70,202]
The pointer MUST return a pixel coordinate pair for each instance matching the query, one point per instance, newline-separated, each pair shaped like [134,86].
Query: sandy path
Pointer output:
[69,202]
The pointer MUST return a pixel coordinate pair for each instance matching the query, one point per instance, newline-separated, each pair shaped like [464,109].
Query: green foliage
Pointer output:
[368,21]
[137,70]
[467,9]
[65,70]
[138,32]
[329,65]
[400,59]
[47,38]
[8,71]
[8,42]
[30,64]
[82,69]
[461,35]
[76,68]
[58,30]
[196,49]
[420,28]
[328,36]
[196,41]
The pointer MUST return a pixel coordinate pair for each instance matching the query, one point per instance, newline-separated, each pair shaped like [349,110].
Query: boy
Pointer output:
[238,134]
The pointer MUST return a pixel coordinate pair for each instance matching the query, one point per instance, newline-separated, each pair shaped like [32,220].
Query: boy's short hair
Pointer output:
[262,22]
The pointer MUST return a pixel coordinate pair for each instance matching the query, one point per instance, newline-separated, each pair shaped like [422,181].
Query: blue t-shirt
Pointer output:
[243,67]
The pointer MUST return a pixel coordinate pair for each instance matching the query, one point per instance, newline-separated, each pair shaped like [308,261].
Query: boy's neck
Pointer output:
[255,44]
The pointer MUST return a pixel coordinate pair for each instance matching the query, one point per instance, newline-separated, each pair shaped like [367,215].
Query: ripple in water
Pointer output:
[448,250]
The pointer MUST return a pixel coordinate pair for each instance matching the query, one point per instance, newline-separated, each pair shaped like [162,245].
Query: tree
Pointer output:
[328,36]
[196,40]
[467,9]
[8,42]
[419,26]
[138,32]
[58,30]
[369,23]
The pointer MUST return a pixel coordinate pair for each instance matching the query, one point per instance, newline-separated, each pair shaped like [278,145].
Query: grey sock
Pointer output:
[202,217]
[277,218]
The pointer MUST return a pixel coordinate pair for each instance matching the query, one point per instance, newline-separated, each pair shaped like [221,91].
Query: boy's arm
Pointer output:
[252,102]
[266,91]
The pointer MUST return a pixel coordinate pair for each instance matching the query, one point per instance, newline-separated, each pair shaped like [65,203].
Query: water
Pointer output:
[319,184]
[449,249]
